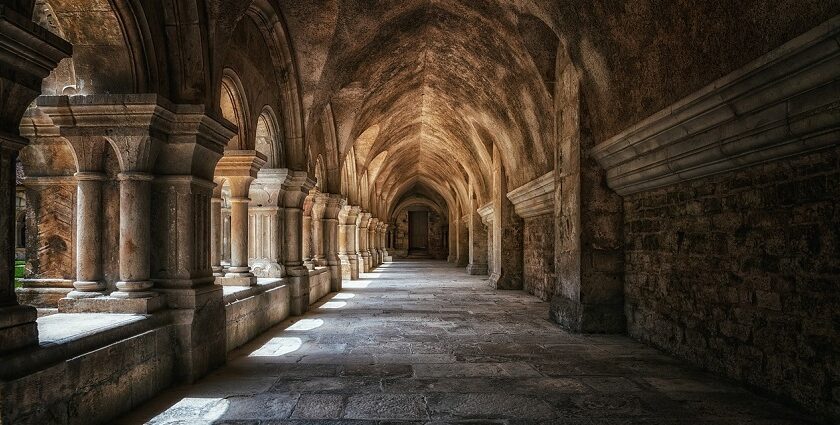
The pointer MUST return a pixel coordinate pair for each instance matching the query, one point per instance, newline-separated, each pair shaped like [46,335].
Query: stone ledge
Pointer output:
[534,198]
[237,293]
[66,335]
[785,103]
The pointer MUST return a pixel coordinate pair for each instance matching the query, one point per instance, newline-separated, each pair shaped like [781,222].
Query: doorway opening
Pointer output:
[418,232]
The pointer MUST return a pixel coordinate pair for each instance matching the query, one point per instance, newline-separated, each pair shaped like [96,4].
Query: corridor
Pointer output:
[422,342]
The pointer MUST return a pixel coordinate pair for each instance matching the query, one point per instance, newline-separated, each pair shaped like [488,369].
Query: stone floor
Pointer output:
[422,342]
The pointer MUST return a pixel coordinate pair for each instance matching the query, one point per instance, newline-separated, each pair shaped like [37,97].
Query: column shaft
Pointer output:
[89,281]
[135,197]
[216,236]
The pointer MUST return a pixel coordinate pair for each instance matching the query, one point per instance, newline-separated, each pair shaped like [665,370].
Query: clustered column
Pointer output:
[319,204]
[347,242]
[296,188]
[239,169]
[332,206]
[362,242]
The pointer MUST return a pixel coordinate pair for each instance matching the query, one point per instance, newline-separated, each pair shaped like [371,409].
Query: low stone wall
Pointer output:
[538,256]
[250,312]
[319,284]
[738,273]
[94,387]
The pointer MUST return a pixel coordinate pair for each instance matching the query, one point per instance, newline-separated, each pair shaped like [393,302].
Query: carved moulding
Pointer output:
[784,103]
[534,198]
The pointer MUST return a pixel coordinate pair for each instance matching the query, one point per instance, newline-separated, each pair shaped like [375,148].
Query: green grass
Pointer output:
[20,267]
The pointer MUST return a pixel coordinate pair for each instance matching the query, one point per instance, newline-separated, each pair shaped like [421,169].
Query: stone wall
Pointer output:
[319,284]
[538,256]
[94,387]
[254,311]
[438,232]
[738,274]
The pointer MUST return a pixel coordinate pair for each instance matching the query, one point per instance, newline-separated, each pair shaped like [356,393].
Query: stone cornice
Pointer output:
[486,212]
[28,48]
[534,198]
[240,163]
[786,102]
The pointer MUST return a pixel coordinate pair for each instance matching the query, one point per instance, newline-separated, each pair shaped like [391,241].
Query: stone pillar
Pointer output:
[89,278]
[50,240]
[225,254]
[383,242]
[332,206]
[307,248]
[463,242]
[362,242]
[453,239]
[216,228]
[508,243]
[477,241]
[318,206]
[588,219]
[30,53]
[371,241]
[347,242]
[181,268]
[266,223]
[135,243]
[239,168]
[296,187]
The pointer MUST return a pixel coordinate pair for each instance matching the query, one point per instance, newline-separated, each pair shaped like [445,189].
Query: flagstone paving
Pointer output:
[423,342]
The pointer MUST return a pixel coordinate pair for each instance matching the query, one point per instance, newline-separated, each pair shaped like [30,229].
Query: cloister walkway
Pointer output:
[422,342]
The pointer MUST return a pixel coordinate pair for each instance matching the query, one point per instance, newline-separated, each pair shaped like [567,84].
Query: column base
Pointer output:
[43,293]
[111,304]
[267,268]
[477,269]
[237,279]
[297,277]
[87,289]
[335,275]
[199,314]
[218,271]
[18,328]
[587,318]
[503,282]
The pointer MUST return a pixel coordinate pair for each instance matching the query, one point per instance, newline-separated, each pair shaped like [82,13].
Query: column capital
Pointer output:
[333,205]
[240,163]
[348,214]
[297,187]
[364,219]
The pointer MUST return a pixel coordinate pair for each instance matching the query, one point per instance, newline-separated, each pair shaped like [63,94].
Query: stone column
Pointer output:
[239,272]
[89,279]
[453,239]
[239,168]
[362,242]
[383,242]
[307,247]
[487,214]
[477,241]
[318,206]
[332,206]
[50,240]
[225,254]
[216,228]
[267,217]
[347,242]
[463,242]
[135,244]
[30,53]
[371,242]
[296,187]
[508,243]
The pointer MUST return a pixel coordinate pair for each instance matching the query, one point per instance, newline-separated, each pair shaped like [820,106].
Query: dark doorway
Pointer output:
[418,231]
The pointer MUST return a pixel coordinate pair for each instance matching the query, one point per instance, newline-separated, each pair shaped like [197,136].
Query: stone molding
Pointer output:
[784,103]
[245,163]
[29,48]
[486,212]
[534,198]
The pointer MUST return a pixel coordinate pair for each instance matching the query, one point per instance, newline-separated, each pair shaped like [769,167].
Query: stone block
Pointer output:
[112,305]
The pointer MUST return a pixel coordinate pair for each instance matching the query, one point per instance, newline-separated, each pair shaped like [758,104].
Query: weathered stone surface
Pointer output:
[732,273]
[424,342]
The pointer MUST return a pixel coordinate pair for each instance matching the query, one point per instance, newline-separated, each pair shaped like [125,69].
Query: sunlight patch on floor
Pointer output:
[278,346]
[306,325]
